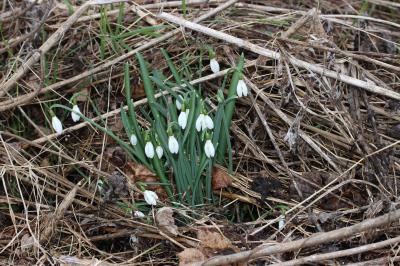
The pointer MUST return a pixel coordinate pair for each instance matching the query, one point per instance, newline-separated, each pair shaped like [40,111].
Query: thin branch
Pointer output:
[105,66]
[313,240]
[341,253]
[54,38]
[368,86]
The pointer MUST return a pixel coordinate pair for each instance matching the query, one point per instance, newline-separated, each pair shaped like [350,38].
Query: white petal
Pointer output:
[159,151]
[150,197]
[173,145]
[138,214]
[133,139]
[182,120]
[245,91]
[209,149]
[75,116]
[199,122]
[239,89]
[214,65]
[149,150]
[57,125]
[208,122]
[179,103]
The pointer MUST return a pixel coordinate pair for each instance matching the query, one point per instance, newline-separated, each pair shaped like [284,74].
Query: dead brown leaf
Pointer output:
[137,172]
[165,221]
[221,179]
[189,256]
[213,240]
[83,95]
[27,243]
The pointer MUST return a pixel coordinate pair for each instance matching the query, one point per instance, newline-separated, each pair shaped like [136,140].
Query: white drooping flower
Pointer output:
[138,214]
[74,115]
[159,151]
[214,65]
[173,145]
[209,149]
[57,125]
[208,122]
[199,122]
[182,119]
[179,102]
[241,89]
[149,150]
[150,197]
[204,122]
[133,139]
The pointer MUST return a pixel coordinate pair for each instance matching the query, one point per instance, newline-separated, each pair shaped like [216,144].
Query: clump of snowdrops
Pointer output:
[185,136]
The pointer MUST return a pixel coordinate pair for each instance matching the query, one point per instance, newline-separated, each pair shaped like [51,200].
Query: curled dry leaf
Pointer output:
[189,256]
[112,158]
[221,179]
[116,157]
[27,243]
[117,186]
[137,172]
[213,240]
[165,221]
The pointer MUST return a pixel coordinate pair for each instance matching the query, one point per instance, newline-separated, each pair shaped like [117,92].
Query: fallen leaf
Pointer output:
[117,186]
[138,91]
[112,158]
[189,256]
[165,221]
[82,95]
[140,172]
[308,184]
[213,240]
[220,179]
[116,157]
[394,132]
[27,243]
[137,172]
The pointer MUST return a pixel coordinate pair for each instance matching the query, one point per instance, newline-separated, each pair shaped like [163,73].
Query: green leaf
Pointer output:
[229,108]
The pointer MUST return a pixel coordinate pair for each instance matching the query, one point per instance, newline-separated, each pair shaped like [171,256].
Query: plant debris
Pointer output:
[311,172]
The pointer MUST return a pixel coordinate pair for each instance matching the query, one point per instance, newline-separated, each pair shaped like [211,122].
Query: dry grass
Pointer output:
[311,150]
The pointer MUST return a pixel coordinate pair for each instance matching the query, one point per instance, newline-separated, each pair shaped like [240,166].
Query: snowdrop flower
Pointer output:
[149,150]
[204,122]
[159,151]
[208,123]
[209,149]
[199,122]
[214,65]
[138,214]
[57,125]
[179,102]
[173,144]
[241,89]
[150,197]
[182,119]
[74,115]
[133,139]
